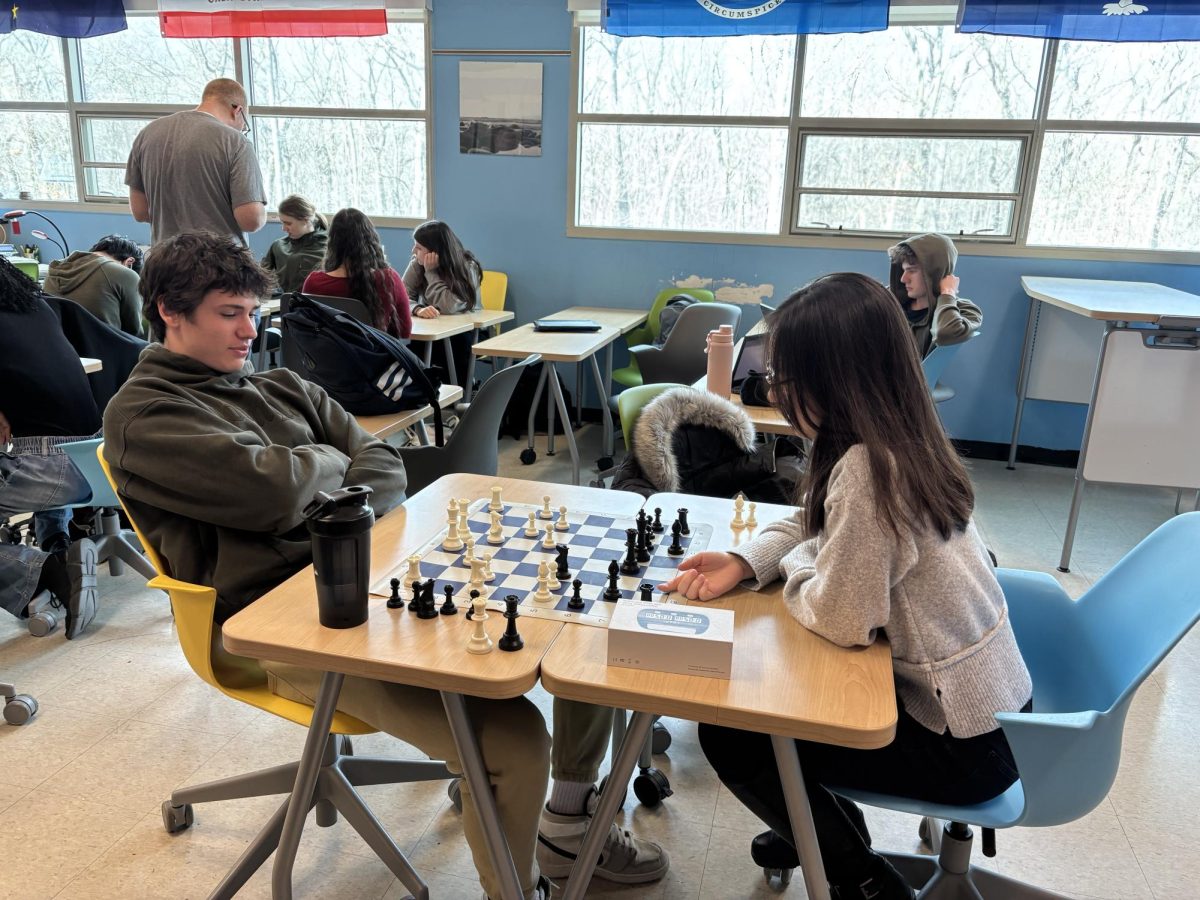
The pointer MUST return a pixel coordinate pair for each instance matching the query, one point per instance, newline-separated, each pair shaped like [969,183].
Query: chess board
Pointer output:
[593,539]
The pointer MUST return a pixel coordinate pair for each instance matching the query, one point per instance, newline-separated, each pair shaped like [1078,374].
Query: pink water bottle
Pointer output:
[720,361]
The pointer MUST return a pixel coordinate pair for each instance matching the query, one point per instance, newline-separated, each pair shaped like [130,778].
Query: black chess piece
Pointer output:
[576,601]
[395,601]
[643,546]
[647,591]
[471,605]
[415,603]
[657,527]
[676,548]
[510,640]
[643,521]
[683,523]
[428,607]
[612,593]
[630,565]
[448,607]
[563,572]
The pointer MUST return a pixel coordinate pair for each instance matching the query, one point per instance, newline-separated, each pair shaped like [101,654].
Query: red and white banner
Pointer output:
[271,18]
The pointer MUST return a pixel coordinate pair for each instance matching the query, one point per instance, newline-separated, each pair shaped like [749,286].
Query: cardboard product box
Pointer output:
[669,637]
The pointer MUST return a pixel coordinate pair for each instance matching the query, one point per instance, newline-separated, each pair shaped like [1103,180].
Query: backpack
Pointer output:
[516,415]
[669,315]
[367,371]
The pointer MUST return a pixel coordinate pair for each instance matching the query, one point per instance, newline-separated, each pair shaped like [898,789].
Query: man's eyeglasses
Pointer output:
[241,110]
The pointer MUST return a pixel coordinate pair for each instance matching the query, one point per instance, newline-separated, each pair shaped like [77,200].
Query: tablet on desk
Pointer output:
[751,356]
[565,325]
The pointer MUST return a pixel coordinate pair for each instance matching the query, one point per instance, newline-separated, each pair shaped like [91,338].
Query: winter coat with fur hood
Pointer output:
[949,319]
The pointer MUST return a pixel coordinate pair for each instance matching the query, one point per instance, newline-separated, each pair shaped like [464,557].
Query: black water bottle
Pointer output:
[340,524]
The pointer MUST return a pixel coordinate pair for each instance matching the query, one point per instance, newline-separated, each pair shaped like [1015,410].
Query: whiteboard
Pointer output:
[1146,422]
[1066,347]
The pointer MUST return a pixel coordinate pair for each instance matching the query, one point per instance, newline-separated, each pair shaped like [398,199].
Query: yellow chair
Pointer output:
[493,289]
[631,375]
[244,680]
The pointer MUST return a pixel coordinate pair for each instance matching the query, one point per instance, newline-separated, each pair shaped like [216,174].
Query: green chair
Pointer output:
[630,375]
[630,403]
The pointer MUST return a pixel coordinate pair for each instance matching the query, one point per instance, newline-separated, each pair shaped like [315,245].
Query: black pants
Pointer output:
[460,347]
[919,763]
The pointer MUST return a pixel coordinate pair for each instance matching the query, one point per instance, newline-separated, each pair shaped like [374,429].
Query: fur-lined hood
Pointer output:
[653,436]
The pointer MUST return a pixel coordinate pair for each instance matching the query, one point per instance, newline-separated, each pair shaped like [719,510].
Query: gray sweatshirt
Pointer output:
[426,288]
[954,656]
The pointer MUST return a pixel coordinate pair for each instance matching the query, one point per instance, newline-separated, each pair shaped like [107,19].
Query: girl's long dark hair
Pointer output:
[843,356]
[459,268]
[18,292]
[354,243]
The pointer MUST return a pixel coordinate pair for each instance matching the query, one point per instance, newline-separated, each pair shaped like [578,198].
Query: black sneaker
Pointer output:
[81,603]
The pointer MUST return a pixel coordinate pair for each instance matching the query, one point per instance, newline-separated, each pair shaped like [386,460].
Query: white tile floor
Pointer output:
[123,721]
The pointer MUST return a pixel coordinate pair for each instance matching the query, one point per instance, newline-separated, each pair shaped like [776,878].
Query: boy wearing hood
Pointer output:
[104,281]
[923,281]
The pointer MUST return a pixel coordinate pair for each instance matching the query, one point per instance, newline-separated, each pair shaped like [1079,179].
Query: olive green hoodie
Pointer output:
[949,320]
[216,468]
[101,285]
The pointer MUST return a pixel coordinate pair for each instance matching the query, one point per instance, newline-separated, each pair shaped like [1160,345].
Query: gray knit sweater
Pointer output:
[954,656]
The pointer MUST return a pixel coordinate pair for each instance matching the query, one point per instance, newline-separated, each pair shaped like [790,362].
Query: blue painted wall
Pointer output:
[512,213]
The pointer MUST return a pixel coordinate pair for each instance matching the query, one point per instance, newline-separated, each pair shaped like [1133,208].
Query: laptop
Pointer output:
[565,325]
[752,355]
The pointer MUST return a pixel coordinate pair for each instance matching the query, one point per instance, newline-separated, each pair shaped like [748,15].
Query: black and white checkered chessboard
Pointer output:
[593,539]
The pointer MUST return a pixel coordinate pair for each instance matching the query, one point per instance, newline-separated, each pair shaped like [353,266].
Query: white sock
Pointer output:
[569,798]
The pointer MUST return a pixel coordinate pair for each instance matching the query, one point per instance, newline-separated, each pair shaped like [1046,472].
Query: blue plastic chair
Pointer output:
[1087,658]
[935,364]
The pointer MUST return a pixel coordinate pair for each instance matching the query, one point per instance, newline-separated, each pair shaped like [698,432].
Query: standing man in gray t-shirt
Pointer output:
[195,170]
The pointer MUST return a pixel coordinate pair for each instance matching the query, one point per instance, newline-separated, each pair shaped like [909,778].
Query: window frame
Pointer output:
[1030,131]
[80,111]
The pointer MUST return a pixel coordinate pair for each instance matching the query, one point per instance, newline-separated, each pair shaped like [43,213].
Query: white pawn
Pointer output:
[548,541]
[414,569]
[543,587]
[561,524]
[552,581]
[531,530]
[738,522]
[496,505]
[495,534]
[452,542]
[479,642]
[544,512]
[470,552]
[488,574]
[751,522]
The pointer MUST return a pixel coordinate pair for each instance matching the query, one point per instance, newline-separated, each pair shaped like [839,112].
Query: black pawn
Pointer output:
[683,525]
[448,607]
[563,571]
[428,607]
[643,546]
[576,601]
[510,640]
[471,605]
[657,527]
[395,601]
[630,565]
[415,603]
[612,593]
[676,548]
[647,591]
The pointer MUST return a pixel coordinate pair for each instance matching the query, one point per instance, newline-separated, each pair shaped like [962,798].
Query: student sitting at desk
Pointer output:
[104,281]
[442,277]
[885,544]
[937,318]
[301,250]
[216,463]
[356,266]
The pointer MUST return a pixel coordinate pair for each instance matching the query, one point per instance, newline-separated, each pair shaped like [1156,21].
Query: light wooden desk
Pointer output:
[787,682]
[384,427]
[555,347]
[1142,424]
[393,645]
[444,327]
[91,365]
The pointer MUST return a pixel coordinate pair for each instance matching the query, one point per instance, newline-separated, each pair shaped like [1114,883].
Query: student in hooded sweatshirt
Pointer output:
[923,280]
[104,281]
[301,250]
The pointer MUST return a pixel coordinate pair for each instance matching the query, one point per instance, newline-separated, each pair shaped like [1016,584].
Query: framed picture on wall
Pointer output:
[500,108]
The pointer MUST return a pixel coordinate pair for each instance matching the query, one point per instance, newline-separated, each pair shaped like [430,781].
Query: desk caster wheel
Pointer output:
[660,738]
[454,792]
[42,623]
[652,787]
[528,456]
[930,831]
[177,818]
[595,798]
[19,709]
[604,463]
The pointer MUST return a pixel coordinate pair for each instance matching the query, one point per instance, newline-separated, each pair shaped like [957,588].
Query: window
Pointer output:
[343,121]
[991,139]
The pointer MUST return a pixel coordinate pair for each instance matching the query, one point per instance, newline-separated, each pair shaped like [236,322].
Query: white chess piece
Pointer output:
[552,581]
[544,512]
[479,642]
[738,522]
[470,552]
[496,505]
[751,522]
[543,587]
[452,510]
[561,524]
[414,569]
[452,542]
[477,578]
[531,530]
[548,541]
[463,510]
[488,574]
[495,534]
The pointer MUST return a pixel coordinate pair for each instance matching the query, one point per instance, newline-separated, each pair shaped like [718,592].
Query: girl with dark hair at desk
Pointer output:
[443,276]
[356,266]
[883,545]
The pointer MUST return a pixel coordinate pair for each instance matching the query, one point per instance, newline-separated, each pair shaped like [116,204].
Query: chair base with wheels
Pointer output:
[18,708]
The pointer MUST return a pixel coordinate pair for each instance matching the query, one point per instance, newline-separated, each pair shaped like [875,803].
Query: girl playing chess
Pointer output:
[883,544]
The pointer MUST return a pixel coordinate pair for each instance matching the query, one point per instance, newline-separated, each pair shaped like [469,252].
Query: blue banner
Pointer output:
[69,18]
[705,18]
[1084,20]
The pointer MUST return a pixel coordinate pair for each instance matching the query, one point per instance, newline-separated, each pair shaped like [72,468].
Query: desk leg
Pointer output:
[800,814]
[1077,496]
[578,393]
[537,396]
[553,376]
[606,809]
[306,782]
[450,360]
[469,383]
[428,353]
[422,433]
[481,790]
[1023,378]
[605,418]
[610,448]
[556,390]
